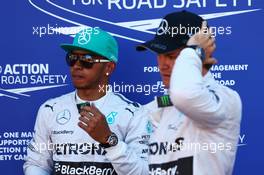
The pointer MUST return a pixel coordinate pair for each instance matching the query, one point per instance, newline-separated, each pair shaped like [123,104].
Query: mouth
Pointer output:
[77,77]
[166,75]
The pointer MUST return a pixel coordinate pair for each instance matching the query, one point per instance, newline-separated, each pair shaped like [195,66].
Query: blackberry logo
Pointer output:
[57,167]
[176,167]
[83,168]
[172,170]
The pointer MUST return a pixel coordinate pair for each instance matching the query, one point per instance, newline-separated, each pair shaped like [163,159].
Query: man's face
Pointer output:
[166,62]
[87,78]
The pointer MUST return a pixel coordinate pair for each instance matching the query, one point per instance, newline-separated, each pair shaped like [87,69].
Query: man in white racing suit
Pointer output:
[90,131]
[196,125]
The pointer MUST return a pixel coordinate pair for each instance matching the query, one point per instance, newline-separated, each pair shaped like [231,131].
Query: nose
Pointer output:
[77,65]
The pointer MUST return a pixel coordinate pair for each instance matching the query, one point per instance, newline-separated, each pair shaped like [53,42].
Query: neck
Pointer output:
[92,94]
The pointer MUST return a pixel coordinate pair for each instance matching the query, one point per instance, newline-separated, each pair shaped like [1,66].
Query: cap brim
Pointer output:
[149,45]
[158,46]
[71,47]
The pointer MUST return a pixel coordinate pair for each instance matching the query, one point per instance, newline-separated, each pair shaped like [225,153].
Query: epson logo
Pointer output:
[162,148]
[79,148]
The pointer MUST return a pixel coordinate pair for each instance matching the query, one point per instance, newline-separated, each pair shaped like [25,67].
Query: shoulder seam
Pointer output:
[135,104]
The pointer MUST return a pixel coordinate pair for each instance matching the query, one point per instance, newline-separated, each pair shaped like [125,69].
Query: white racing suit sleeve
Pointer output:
[191,96]
[131,156]
[39,157]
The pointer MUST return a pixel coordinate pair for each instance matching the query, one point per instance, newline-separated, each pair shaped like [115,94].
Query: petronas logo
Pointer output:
[164,101]
[110,118]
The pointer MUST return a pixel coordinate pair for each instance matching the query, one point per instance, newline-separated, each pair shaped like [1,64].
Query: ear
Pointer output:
[110,67]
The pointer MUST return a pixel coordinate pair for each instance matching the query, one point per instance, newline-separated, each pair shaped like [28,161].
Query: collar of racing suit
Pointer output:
[99,103]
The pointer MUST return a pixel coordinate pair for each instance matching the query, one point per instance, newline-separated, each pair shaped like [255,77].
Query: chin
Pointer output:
[166,83]
[84,86]
[79,86]
[166,86]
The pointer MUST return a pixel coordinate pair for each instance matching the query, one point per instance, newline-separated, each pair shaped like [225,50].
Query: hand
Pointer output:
[207,64]
[205,40]
[93,122]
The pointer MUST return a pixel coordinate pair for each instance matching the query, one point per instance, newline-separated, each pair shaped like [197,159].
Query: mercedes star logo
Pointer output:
[63,117]
[163,28]
[84,37]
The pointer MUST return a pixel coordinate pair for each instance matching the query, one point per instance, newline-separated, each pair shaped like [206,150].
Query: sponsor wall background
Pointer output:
[33,69]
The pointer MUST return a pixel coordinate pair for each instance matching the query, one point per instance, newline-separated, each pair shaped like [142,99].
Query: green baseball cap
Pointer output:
[96,41]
